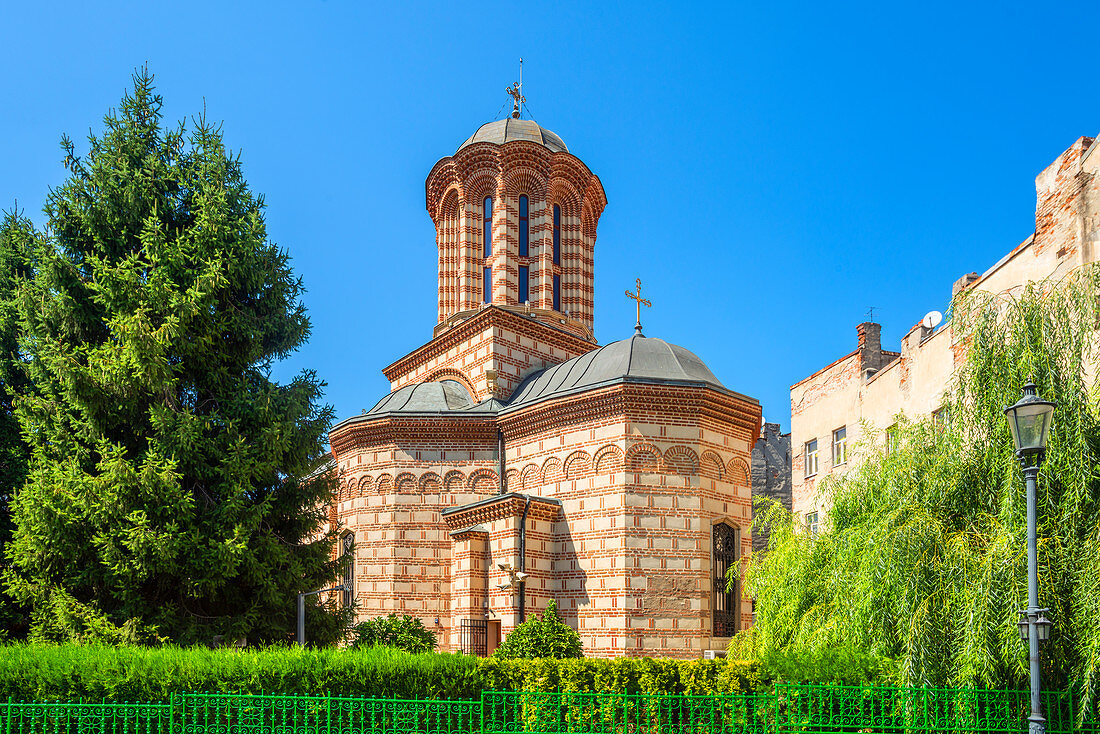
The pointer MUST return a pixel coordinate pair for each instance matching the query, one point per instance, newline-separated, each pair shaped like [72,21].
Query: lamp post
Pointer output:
[1029,421]
[302,610]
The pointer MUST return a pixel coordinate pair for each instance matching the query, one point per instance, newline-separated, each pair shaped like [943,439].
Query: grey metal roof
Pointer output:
[425,397]
[507,130]
[637,359]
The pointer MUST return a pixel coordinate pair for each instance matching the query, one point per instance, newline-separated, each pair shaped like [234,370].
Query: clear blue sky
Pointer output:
[772,169]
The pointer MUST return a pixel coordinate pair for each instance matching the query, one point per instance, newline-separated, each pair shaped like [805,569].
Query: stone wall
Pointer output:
[771,474]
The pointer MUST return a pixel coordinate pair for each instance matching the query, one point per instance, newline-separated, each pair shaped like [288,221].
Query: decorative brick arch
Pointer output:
[682,460]
[447,373]
[431,482]
[365,484]
[608,459]
[711,465]
[385,483]
[738,472]
[405,482]
[511,479]
[551,470]
[644,458]
[454,481]
[531,476]
[578,464]
[563,193]
[482,480]
[450,201]
[524,180]
[481,183]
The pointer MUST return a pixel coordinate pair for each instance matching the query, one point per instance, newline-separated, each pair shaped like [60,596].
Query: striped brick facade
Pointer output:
[609,496]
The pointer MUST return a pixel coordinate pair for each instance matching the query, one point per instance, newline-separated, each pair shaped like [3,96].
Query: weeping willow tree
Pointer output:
[923,557]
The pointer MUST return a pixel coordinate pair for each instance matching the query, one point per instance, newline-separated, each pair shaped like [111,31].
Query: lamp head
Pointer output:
[1029,421]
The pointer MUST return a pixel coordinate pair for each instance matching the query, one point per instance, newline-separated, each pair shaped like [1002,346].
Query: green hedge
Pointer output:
[43,672]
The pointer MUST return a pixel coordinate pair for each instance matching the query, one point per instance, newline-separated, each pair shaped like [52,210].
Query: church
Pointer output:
[516,461]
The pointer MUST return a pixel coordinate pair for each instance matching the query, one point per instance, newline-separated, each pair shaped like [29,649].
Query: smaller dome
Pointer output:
[507,130]
[637,359]
[425,397]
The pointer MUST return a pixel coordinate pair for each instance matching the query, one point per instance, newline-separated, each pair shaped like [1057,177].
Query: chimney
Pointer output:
[870,348]
[963,282]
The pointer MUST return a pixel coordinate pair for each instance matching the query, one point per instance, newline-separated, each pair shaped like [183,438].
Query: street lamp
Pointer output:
[1029,421]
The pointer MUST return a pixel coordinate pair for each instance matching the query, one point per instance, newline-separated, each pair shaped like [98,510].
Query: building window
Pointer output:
[557,235]
[524,229]
[524,281]
[473,637]
[892,439]
[727,597]
[347,547]
[557,293]
[487,229]
[812,525]
[487,285]
[811,457]
[840,446]
[941,418]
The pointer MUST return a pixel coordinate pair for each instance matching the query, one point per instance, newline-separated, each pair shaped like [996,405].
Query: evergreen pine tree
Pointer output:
[171,492]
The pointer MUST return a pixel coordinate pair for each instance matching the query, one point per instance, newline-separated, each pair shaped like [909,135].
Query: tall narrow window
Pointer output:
[557,293]
[487,285]
[524,230]
[813,524]
[840,446]
[524,280]
[811,457]
[487,232]
[727,594]
[557,235]
[348,580]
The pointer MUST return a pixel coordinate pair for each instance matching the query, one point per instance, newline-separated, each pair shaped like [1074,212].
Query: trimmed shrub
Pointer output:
[403,632]
[51,672]
[46,672]
[543,637]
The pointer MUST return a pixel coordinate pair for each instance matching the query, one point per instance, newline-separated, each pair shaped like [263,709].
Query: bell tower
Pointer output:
[515,216]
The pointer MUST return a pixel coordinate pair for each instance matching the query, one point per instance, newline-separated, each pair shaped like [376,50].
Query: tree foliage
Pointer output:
[546,636]
[923,559]
[404,632]
[171,492]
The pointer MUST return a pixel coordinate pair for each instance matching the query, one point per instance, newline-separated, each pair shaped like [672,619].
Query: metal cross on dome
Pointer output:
[639,302]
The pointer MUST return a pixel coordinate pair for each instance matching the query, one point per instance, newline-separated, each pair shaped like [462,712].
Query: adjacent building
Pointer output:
[868,388]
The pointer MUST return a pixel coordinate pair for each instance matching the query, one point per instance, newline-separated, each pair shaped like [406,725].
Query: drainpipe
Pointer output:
[500,458]
[523,560]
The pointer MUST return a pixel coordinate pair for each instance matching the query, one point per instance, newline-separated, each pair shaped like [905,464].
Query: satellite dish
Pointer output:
[932,320]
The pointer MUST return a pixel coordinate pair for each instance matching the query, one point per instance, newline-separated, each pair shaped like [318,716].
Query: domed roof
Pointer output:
[429,398]
[637,359]
[509,129]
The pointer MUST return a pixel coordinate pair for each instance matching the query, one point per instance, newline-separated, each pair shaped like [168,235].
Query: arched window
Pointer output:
[727,604]
[487,232]
[347,547]
[524,230]
[557,235]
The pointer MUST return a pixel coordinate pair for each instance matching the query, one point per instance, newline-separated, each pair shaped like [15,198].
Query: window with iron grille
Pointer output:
[727,598]
[473,637]
[348,549]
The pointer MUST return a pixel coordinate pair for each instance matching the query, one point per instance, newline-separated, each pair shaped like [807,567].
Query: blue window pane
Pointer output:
[557,293]
[524,280]
[487,234]
[557,234]
[487,286]
[524,229]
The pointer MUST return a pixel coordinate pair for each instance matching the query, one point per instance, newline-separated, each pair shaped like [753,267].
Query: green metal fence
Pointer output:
[786,709]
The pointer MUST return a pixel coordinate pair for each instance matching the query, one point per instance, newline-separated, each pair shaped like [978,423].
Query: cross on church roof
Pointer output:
[516,92]
[639,302]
